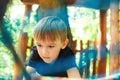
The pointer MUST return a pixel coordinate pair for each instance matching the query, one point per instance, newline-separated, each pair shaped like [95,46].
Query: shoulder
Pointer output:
[66,52]
[34,57]
[67,58]
[34,54]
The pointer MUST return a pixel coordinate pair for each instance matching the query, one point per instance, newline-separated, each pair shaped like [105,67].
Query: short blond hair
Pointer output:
[50,28]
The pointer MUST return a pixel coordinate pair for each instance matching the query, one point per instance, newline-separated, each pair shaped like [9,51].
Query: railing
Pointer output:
[87,62]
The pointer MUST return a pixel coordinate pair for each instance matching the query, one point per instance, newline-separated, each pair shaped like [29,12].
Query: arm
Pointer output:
[73,73]
[33,73]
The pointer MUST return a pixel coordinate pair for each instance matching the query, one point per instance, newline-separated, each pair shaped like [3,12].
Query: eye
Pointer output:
[51,46]
[39,45]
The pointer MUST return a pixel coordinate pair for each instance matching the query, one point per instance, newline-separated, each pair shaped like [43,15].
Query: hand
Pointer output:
[33,73]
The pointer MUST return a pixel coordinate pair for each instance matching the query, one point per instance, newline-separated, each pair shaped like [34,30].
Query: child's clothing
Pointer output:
[65,61]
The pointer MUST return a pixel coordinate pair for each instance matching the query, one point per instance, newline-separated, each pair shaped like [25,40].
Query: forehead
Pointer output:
[46,36]
[57,41]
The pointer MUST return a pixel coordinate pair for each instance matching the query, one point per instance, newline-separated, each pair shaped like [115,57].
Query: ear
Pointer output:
[65,43]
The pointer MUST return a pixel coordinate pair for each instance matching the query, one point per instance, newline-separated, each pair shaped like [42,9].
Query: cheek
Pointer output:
[39,51]
[55,52]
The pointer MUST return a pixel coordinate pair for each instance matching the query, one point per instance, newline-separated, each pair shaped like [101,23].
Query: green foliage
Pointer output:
[6,62]
[84,23]
[8,36]
[5,30]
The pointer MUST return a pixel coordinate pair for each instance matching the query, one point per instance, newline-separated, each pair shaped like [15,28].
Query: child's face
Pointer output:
[49,50]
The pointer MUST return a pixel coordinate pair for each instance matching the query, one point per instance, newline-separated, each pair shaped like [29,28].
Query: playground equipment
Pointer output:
[102,6]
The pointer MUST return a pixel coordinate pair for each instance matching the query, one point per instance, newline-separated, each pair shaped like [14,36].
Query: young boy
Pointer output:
[51,56]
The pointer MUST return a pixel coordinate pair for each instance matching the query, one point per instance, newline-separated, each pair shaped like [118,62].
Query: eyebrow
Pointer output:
[51,43]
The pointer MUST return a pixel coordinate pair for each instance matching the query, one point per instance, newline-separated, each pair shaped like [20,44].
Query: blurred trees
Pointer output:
[84,23]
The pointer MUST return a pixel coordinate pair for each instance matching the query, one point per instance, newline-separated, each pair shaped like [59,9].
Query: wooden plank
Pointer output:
[22,44]
[114,27]
[102,33]
[119,33]
[28,9]
[49,3]
[81,45]
[22,48]
[30,1]
[101,64]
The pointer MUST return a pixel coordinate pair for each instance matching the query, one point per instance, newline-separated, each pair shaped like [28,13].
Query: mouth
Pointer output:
[46,57]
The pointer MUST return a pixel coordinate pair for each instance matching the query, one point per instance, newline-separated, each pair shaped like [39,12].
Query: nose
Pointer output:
[44,51]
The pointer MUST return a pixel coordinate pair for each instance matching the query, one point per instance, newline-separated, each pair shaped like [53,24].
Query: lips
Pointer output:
[46,57]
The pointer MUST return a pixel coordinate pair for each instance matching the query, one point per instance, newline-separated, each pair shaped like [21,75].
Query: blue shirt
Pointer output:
[65,61]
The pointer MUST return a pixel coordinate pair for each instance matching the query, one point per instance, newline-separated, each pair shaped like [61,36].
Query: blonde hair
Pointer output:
[50,28]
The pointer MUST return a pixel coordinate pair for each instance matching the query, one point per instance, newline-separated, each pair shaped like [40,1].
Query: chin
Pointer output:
[49,62]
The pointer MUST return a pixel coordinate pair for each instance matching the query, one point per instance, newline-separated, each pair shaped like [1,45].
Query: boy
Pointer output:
[52,56]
